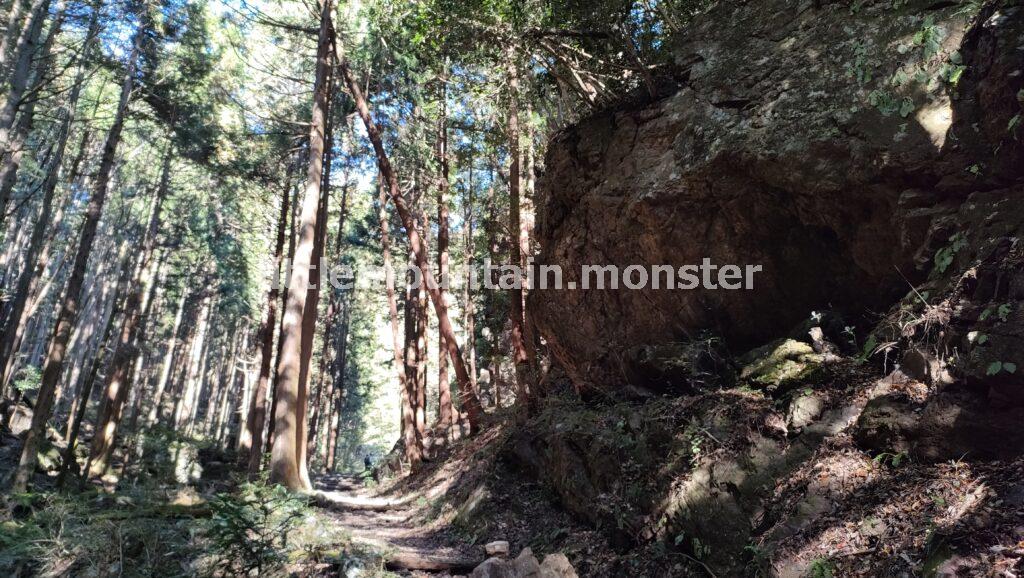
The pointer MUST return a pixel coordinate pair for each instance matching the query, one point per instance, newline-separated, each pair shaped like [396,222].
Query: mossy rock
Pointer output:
[780,364]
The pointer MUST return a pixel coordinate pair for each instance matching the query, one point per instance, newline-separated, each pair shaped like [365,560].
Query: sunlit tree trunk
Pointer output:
[192,381]
[68,313]
[289,437]
[316,277]
[284,304]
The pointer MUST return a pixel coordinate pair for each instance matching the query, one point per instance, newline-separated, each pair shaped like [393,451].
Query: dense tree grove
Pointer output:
[164,162]
[259,284]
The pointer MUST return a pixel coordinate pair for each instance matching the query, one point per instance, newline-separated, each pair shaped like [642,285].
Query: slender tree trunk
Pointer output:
[286,454]
[119,377]
[69,310]
[494,252]
[470,401]
[421,327]
[18,80]
[445,409]
[413,452]
[467,297]
[522,347]
[338,398]
[258,406]
[192,382]
[36,258]
[167,363]
[332,314]
[83,394]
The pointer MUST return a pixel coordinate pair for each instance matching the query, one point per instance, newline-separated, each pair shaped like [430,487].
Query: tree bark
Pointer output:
[445,408]
[467,296]
[68,313]
[522,347]
[286,455]
[338,399]
[407,418]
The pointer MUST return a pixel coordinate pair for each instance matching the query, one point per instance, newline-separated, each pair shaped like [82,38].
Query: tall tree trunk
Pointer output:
[421,328]
[292,233]
[37,255]
[494,252]
[332,314]
[470,401]
[10,37]
[258,406]
[338,398]
[311,309]
[286,455]
[18,80]
[167,363]
[413,452]
[119,377]
[445,408]
[469,322]
[83,394]
[15,148]
[522,347]
[69,310]
[192,378]
[411,432]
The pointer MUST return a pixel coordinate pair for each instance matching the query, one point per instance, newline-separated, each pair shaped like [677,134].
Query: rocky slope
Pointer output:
[833,146]
[869,156]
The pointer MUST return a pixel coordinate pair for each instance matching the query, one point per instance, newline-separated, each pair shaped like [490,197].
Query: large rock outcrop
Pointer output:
[828,145]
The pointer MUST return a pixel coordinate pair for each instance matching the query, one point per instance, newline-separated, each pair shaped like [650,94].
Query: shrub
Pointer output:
[249,529]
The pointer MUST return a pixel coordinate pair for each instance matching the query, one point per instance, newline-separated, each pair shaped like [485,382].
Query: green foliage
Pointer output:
[945,256]
[889,458]
[929,38]
[889,104]
[133,534]
[1001,311]
[821,568]
[996,367]
[28,379]
[869,348]
[249,529]
[861,67]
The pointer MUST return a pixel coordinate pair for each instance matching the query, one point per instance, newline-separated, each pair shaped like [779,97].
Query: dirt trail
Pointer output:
[394,528]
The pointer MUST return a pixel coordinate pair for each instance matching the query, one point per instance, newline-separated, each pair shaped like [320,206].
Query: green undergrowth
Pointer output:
[254,530]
